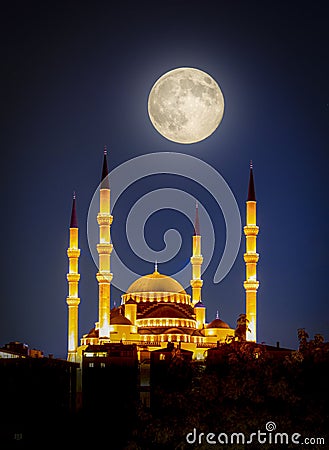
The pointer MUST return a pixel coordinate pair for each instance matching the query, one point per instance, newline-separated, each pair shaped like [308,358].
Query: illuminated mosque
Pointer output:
[156,309]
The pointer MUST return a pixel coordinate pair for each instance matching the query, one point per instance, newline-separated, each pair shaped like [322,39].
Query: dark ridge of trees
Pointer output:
[245,386]
[248,387]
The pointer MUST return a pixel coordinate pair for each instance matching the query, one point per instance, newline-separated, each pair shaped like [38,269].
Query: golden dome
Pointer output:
[218,323]
[155,282]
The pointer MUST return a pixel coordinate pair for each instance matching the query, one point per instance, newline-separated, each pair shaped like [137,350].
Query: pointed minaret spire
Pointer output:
[156,266]
[105,171]
[104,249]
[217,314]
[74,219]
[251,258]
[196,260]
[73,277]
[251,188]
[196,222]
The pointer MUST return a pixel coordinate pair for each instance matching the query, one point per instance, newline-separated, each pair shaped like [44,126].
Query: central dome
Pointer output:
[156,282]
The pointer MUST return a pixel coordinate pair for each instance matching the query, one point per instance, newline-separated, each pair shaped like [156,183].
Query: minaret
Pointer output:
[196,261]
[251,258]
[73,278]
[104,249]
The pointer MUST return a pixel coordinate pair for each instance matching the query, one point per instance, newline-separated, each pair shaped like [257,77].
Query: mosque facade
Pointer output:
[155,309]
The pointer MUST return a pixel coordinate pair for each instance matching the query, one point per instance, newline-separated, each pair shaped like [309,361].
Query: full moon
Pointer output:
[185,105]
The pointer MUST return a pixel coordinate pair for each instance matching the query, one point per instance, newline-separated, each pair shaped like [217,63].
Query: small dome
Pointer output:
[156,282]
[119,320]
[131,302]
[199,305]
[93,333]
[218,323]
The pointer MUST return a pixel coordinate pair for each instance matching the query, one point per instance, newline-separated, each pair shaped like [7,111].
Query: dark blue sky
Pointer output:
[75,77]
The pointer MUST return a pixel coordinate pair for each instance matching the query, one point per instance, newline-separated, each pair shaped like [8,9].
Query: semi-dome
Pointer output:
[155,282]
[174,330]
[167,311]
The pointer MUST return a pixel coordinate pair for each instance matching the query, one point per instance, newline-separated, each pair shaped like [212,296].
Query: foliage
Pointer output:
[241,328]
[247,386]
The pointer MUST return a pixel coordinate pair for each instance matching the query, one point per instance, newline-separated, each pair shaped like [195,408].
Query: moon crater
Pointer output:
[185,105]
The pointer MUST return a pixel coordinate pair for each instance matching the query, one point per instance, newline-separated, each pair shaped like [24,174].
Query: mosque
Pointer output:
[156,309]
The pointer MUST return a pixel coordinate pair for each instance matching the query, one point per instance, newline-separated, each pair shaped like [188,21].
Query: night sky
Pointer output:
[76,77]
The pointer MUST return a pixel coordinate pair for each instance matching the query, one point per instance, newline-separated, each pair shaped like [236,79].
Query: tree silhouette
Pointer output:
[246,386]
[241,329]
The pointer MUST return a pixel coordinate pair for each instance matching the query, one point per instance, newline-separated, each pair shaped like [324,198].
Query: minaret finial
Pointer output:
[156,266]
[217,314]
[74,219]
[251,187]
[105,181]
[196,222]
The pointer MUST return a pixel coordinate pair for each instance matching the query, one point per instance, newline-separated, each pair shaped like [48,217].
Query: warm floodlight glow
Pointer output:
[251,335]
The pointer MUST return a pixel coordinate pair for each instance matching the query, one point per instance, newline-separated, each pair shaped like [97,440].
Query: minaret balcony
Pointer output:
[196,283]
[251,257]
[73,252]
[251,285]
[104,249]
[104,219]
[73,301]
[197,260]
[104,277]
[73,277]
[251,230]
